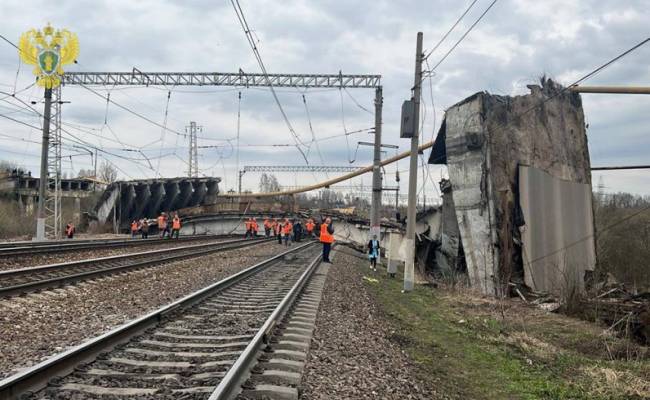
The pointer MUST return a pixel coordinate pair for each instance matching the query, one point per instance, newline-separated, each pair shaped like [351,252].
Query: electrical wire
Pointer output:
[345,130]
[127,109]
[247,31]
[450,30]
[462,37]
[162,132]
[313,134]
[356,102]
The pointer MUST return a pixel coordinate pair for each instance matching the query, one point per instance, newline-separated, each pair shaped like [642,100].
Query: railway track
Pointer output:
[24,280]
[182,350]
[32,248]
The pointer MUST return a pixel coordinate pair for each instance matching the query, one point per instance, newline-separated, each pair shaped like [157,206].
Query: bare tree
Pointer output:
[86,173]
[269,183]
[107,172]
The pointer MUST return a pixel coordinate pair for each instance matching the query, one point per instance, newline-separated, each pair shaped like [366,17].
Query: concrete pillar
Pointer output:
[29,205]
[128,201]
[171,196]
[76,211]
[157,193]
[185,195]
[143,194]
[200,191]
[392,254]
[213,191]
[21,205]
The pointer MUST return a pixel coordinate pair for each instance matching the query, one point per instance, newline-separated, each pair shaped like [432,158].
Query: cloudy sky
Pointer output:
[516,43]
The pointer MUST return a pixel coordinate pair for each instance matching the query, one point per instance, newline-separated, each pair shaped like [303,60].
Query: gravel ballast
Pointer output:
[23,261]
[352,355]
[37,326]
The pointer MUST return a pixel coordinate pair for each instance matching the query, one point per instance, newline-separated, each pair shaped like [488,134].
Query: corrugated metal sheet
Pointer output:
[558,235]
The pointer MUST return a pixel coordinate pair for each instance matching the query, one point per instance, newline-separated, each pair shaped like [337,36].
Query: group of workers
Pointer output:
[168,225]
[292,230]
[286,230]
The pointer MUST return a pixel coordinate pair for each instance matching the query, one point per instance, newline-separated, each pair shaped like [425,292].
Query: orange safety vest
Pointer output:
[267,223]
[276,227]
[287,228]
[134,226]
[310,226]
[69,229]
[249,223]
[325,236]
[254,225]
[162,222]
[176,223]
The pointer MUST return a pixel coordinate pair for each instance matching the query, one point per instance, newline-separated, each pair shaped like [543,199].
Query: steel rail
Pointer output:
[230,385]
[201,249]
[37,377]
[44,247]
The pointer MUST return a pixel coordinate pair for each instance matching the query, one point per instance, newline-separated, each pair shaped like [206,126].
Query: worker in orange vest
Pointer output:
[134,228]
[69,230]
[249,230]
[277,230]
[267,227]
[162,225]
[255,227]
[176,226]
[327,238]
[144,228]
[310,227]
[286,232]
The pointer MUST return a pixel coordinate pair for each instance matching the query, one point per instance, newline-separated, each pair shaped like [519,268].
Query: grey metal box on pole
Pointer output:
[407,127]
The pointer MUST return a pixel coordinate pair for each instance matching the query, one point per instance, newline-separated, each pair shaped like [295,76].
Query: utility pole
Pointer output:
[43,181]
[95,176]
[376,168]
[193,169]
[240,173]
[238,129]
[409,267]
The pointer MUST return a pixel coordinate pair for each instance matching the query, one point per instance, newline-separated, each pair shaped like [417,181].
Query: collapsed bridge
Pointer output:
[124,201]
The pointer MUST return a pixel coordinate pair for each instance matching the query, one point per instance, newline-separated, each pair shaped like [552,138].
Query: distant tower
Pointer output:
[600,190]
[193,164]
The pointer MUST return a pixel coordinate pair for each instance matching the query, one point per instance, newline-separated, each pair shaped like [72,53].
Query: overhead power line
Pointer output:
[462,37]
[127,109]
[247,31]
[449,31]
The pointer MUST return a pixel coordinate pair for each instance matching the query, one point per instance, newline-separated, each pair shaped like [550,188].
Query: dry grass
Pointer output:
[486,348]
[608,382]
[13,222]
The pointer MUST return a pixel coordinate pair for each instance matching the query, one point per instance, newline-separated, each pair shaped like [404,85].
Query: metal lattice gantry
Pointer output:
[299,168]
[245,80]
[53,220]
[241,79]
[193,164]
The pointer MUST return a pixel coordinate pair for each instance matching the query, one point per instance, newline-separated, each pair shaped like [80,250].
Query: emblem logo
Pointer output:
[48,51]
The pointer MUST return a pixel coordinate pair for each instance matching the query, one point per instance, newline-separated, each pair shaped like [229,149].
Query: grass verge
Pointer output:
[473,347]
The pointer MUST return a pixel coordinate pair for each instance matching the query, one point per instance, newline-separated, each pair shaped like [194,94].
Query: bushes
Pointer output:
[624,247]
[13,221]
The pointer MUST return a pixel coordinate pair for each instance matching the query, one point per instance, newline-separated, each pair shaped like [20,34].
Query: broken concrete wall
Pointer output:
[466,149]
[483,141]
[447,255]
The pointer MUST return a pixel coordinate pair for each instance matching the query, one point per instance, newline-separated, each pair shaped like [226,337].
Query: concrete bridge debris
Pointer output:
[147,198]
[22,187]
[520,190]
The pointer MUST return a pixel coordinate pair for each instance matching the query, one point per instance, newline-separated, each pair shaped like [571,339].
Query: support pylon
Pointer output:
[53,214]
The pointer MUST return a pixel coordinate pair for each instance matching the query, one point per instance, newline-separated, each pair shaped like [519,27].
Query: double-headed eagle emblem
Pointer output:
[48,50]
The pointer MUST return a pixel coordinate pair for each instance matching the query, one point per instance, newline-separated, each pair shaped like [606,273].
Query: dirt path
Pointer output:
[353,353]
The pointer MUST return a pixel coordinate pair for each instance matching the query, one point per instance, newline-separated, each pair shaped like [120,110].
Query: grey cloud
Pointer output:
[517,42]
